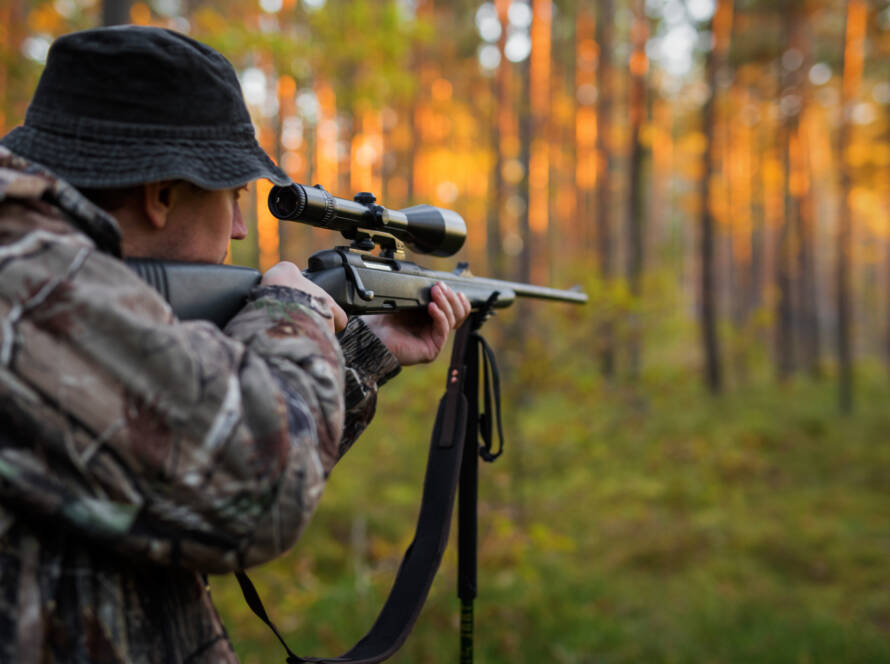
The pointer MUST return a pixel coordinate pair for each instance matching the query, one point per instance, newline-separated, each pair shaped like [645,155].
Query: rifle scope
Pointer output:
[424,228]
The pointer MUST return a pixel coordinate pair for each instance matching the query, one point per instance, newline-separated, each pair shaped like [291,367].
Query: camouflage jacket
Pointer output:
[138,452]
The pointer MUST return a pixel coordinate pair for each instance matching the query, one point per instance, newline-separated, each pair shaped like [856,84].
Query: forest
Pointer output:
[696,465]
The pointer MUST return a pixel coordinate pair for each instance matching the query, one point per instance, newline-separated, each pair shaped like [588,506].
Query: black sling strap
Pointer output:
[421,560]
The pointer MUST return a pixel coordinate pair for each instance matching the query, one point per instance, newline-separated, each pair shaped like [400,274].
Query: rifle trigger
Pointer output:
[364,293]
[352,275]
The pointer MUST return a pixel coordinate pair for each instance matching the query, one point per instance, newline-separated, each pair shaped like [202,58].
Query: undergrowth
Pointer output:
[630,520]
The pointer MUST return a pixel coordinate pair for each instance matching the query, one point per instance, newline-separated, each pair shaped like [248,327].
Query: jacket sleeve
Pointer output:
[170,441]
[369,364]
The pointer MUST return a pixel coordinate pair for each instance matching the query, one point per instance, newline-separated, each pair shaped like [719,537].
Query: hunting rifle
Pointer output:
[358,280]
[362,282]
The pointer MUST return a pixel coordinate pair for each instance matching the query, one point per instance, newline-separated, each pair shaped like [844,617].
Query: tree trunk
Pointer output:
[811,336]
[721,25]
[854,38]
[605,25]
[116,12]
[784,347]
[887,299]
[523,271]
[500,100]
[585,131]
[638,66]
[886,203]
[13,101]
[541,139]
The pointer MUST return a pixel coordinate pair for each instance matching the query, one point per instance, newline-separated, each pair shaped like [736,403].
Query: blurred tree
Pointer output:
[853,55]
[500,96]
[605,27]
[789,108]
[800,186]
[540,140]
[523,106]
[638,66]
[586,129]
[721,29]
[14,69]
[116,12]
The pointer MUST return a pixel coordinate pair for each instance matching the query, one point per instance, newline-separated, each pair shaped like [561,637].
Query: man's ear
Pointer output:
[158,201]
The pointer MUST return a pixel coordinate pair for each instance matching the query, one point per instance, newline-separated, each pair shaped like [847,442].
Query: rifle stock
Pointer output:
[358,282]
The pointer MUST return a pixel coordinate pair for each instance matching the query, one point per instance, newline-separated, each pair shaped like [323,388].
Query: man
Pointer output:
[139,452]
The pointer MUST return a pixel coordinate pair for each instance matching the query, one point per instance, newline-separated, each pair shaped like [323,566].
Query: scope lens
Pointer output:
[284,202]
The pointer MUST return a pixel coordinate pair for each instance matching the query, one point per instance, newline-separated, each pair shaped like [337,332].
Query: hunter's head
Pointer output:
[152,126]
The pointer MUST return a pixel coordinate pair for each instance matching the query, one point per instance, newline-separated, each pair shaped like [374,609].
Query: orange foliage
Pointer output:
[441,90]
[287,86]
[854,53]
[44,20]
[326,158]
[638,63]
[140,13]
[539,166]
[585,126]
[267,227]
[366,152]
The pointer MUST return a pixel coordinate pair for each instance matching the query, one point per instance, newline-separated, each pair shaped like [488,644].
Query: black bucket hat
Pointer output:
[126,105]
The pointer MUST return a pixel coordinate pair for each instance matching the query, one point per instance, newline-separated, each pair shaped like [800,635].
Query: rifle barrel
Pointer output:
[547,293]
[532,291]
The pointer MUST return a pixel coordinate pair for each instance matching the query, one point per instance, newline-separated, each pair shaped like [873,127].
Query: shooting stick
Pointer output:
[454,451]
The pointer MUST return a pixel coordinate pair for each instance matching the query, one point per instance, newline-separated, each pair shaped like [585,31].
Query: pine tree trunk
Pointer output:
[811,341]
[784,327]
[854,37]
[638,66]
[886,204]
[605,25]
[523,271]
[887,299]
[721,25]
[500,91]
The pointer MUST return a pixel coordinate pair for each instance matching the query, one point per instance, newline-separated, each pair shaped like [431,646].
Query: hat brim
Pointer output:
[93,162]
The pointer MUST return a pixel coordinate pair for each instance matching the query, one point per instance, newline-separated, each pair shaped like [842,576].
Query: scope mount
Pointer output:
[363,241]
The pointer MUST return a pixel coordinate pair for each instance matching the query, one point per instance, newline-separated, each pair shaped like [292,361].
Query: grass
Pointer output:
[627,522]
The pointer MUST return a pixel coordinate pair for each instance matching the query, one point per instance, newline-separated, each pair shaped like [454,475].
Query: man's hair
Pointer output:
[113,199]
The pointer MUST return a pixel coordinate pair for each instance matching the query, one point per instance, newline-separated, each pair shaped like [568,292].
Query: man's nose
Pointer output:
[239,228]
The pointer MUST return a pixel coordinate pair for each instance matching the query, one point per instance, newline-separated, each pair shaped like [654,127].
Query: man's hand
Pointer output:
[419,336]
[287,274]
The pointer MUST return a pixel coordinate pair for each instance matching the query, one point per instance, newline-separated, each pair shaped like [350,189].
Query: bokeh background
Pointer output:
[698,462]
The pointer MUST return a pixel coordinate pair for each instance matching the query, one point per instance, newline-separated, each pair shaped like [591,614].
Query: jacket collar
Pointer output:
[25,180]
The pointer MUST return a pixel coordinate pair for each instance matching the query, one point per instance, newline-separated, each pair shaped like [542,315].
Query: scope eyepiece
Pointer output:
[424,228]
[287,202]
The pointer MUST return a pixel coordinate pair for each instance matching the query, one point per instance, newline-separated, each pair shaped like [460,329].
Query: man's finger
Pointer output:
[340,317]
[463,308]
[460,305]
[444,302]
[441,326]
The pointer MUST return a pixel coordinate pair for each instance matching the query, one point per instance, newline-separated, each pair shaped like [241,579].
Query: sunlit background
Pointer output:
[698,461]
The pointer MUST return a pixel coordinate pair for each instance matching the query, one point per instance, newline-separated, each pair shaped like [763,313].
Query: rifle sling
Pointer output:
[421,560]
